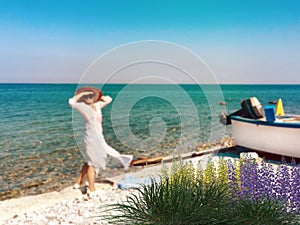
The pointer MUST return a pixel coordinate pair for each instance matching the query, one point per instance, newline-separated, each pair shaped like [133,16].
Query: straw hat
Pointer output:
[97,94]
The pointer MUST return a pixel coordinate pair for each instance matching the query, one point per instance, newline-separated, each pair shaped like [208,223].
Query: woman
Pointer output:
[88,101]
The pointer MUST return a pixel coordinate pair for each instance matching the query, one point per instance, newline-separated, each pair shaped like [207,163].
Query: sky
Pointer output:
[242,41]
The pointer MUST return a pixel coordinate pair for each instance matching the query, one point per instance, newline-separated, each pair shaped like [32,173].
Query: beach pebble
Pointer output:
[251,155]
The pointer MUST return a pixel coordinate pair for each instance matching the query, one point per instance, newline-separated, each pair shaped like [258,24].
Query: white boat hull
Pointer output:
[273,137]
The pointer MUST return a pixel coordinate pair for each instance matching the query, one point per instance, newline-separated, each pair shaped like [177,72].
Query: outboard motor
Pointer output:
[251,108]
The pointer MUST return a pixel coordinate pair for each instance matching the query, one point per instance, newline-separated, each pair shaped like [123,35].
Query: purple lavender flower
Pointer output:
[266,181]
[245,180]
[295,189]
[250,179]
[282,187]
[259,183]
[232,180]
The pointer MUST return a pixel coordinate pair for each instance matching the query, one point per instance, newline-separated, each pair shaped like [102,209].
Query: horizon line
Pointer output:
[225,83]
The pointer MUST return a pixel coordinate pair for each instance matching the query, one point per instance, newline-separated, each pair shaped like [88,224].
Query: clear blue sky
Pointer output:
[243,41]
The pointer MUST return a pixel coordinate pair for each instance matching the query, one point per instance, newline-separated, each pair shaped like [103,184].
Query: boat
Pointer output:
[264,129]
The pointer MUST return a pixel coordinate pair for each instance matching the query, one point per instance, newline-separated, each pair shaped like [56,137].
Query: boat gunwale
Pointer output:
[294,124]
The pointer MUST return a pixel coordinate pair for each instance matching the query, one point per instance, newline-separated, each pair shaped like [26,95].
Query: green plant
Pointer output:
[186,195]
[178,199]
[222,171]
[210,173]
[263,212]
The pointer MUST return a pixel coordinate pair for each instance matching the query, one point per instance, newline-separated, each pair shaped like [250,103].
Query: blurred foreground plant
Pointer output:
[186,195]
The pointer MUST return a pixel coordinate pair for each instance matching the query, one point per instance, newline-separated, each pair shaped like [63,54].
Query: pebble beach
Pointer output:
[69,206]
[66,207]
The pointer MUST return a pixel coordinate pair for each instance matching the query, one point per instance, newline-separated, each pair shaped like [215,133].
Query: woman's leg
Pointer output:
[91,175]
[82,173]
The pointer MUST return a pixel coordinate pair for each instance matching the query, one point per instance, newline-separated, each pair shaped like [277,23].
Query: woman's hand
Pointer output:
[78,96]
[105,98]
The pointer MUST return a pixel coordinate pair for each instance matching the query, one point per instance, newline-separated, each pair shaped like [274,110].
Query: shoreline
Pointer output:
[58,180]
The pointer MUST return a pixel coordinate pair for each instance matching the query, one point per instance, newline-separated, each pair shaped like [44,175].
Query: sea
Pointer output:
[41,136]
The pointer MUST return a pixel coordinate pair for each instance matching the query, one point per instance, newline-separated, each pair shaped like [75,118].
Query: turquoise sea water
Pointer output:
[41,137]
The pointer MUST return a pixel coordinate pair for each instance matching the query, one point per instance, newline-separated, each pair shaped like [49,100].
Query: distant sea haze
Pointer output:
[41,137]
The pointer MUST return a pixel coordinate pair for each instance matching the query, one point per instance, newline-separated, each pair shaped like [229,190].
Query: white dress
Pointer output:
[96,148]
